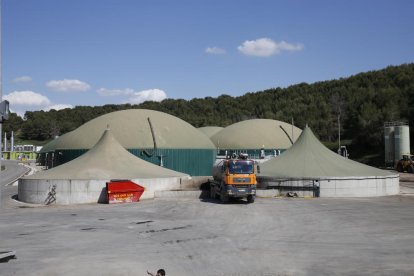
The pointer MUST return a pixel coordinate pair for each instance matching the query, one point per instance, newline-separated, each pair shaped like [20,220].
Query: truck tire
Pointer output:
[224,197]
[250,199]
[213,192]
[410,169]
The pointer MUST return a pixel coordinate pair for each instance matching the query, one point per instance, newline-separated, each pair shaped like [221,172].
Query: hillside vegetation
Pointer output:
[362,103]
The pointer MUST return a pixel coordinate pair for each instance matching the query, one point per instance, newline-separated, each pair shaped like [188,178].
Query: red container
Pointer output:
[121,191]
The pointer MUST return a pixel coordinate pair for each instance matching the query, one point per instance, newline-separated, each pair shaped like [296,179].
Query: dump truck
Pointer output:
[234,178]
[406,164]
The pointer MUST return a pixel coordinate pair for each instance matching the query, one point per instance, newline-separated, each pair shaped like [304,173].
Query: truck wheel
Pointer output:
[224,197]
[250,199]
[212,192]
[410,169]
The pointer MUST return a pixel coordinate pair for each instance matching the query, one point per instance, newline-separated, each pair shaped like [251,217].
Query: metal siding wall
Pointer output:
[63,156]
[253,153]
[195,162]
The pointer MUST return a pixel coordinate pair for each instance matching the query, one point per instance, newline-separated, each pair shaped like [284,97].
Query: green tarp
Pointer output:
[309,158]
[107,160]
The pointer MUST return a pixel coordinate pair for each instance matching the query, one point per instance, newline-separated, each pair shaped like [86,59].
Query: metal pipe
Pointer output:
[150,154]
[12,141]
[290,139]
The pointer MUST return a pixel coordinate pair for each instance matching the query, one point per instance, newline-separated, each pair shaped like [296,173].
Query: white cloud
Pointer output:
[156,95]
[135,97]
[28,98]
[264,47]
[115,92]
[57,107]
[22,79]
[68,85]
[22,101]
[215,51]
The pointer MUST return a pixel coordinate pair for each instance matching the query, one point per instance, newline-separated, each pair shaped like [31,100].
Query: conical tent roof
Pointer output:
[309,158]
[106,160]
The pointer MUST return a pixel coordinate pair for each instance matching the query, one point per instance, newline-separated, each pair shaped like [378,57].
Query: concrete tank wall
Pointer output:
[402,141]
[345,187]
[61,192]
[366,187]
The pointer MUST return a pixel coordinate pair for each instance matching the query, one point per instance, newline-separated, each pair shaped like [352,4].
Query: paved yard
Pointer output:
[190,236]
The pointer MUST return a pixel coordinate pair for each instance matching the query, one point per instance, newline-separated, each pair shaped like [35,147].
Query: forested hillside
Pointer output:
[363,103]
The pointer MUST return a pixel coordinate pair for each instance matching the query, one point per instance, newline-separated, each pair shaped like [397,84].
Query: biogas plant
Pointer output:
[162,153]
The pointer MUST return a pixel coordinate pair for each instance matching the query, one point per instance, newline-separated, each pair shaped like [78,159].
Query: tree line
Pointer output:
[360,104]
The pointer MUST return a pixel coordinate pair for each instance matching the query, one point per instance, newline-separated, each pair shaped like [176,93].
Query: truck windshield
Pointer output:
[240,167]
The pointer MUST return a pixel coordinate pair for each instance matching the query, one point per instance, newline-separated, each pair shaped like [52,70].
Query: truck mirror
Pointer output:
[258,169]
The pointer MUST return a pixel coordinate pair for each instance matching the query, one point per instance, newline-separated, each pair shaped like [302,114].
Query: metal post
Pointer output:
[1,83]
[12,141]
[339,133]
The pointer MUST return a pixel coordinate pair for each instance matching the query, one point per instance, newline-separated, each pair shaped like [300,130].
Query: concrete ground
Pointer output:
[192,236]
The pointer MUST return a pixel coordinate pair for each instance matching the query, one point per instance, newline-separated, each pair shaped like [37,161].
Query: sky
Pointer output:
[65,53]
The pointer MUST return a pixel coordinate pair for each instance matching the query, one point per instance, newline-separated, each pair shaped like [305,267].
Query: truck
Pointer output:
[234,178]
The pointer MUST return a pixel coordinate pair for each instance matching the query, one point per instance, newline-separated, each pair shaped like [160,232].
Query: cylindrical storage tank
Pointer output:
[389,145]
[402,141]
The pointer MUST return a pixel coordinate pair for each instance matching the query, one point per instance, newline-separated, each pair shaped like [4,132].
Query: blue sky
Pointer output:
[64,53]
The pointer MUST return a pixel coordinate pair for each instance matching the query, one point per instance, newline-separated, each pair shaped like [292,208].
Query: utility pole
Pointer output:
[339,133]
[1,85]
[1,78]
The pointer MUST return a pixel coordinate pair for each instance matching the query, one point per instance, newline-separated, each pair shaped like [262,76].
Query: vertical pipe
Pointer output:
[339,134]
[1,83]
[12,141]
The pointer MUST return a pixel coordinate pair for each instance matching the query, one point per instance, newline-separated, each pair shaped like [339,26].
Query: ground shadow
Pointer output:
[103,197]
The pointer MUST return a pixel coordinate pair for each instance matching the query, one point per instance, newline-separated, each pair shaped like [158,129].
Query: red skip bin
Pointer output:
[121,191]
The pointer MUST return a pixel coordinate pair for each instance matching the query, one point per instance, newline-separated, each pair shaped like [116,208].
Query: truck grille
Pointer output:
[242,186]
[241,180]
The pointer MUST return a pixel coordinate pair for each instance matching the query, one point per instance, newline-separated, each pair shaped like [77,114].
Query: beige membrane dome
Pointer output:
[255,134]
[132,129]
[210,130]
